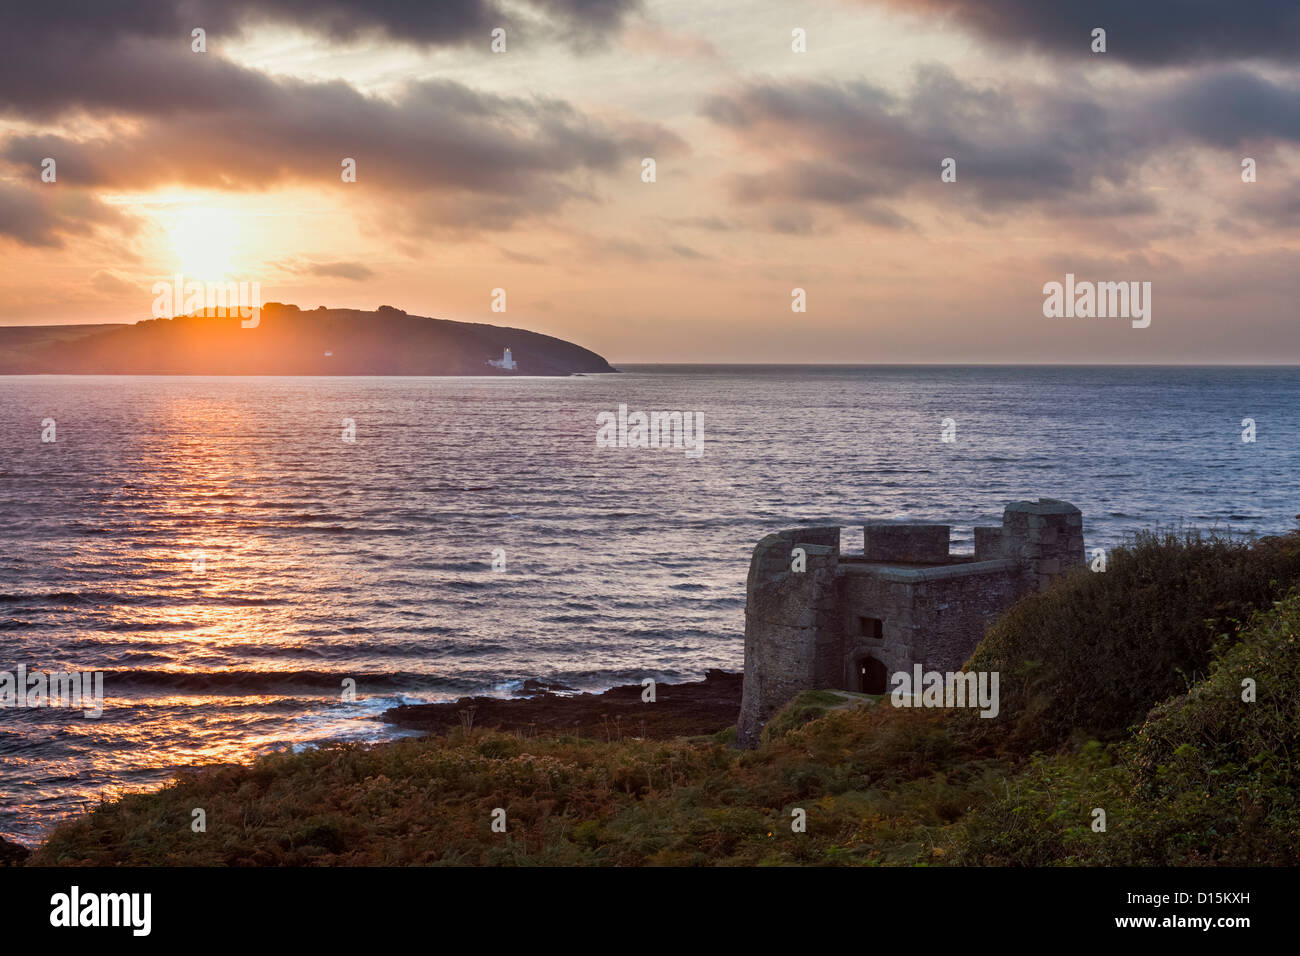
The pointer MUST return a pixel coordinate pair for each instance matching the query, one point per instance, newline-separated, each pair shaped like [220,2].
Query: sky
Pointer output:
[795,146]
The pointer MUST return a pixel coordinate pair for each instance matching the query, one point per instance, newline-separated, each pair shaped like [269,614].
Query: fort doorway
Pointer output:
[871,676]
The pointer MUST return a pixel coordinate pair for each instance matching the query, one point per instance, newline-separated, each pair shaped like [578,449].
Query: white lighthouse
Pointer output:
[506,362]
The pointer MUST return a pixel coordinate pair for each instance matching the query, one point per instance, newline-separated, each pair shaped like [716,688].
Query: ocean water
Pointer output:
[324,560]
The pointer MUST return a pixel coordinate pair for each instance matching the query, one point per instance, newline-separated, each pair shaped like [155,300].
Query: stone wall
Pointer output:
[791,631]
[932,616]
[871,592]
[905,543]
[988,543]
[954,607]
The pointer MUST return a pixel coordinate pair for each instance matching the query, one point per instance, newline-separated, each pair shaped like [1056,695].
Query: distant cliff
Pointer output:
[288,341]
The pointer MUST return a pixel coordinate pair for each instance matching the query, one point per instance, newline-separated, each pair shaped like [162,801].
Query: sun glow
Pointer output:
[204,241]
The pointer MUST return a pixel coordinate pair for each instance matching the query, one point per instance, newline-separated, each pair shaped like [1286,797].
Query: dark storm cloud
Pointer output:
[134,56]
[855,146]
[125,77]
[42,214]
[1139,32]
[168,116]
[600,14]
[1230,107]
[850,143]
[25,215]
[422,22]
[511,156]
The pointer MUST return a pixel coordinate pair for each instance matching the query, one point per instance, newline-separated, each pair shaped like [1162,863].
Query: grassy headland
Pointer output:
[289,341]
[1120,691]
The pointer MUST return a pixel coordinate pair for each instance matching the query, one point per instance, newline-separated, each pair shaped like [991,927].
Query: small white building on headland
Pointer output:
[506,362]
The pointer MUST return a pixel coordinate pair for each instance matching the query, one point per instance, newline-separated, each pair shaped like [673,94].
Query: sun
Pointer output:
[204,241]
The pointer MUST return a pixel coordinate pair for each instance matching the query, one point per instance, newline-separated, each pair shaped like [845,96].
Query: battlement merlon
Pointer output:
[1044,535]
[905,543]
[773,554]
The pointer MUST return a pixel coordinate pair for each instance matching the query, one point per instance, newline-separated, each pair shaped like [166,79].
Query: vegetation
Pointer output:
[1121,691]
[1208,779]
[1089,657]
[810,705]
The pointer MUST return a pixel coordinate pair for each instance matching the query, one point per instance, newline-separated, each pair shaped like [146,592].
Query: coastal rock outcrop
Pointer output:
[290,341]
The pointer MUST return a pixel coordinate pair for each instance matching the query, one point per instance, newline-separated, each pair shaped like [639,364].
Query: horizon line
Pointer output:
[963,364]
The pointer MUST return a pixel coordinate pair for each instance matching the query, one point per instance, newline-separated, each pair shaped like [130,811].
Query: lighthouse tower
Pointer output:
[506,362]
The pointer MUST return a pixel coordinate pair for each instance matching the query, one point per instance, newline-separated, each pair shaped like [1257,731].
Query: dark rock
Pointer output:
[12,854]
[679,710]
[532,686]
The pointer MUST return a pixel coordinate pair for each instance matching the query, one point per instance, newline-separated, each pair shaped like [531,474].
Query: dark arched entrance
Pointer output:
[871,676]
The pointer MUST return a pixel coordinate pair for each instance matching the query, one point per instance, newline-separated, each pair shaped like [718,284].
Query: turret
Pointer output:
[1046,536]
[791,623]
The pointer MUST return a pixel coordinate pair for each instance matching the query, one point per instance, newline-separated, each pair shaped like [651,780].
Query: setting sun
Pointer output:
[204,242]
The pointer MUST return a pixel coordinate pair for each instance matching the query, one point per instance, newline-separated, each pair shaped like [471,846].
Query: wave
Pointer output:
[83,598]
[227,682]
[64,597]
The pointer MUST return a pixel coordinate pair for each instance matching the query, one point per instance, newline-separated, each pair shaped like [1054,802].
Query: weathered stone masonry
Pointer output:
[848,621]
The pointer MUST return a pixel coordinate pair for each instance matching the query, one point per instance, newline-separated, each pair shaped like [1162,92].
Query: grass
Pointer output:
[870,796]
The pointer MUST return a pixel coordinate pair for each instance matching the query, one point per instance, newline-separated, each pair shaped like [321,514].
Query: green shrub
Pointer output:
[1089,656]
[1043,815]
[1209,779]
[807,705]
[1220,772]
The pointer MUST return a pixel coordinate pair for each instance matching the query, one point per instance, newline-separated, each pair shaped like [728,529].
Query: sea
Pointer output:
[232,552]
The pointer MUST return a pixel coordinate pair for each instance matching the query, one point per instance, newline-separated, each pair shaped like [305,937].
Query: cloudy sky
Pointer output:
[775,169]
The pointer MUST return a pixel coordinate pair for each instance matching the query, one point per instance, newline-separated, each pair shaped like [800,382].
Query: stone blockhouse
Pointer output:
[848,621]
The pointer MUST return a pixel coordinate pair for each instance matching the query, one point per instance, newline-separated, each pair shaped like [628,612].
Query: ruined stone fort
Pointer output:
[819,618]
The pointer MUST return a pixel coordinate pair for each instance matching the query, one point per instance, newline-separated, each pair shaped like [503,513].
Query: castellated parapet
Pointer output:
[849,621]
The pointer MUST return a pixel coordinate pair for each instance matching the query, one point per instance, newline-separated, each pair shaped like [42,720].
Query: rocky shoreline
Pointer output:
[679,710]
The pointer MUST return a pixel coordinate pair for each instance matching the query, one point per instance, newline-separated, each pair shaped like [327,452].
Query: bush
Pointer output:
[1219,771]
[1209,778]
[1090,655]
